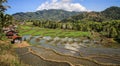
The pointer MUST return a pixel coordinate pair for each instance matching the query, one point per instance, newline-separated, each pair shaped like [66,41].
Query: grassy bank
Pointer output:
[8,56]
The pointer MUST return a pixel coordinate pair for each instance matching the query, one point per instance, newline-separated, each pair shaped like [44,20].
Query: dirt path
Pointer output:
[23,44]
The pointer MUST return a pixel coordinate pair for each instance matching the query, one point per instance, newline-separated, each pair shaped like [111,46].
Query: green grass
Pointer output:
[25,27]
[28,32]
[51,32]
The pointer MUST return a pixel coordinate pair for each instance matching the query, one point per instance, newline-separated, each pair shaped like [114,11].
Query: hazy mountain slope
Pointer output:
[45,14]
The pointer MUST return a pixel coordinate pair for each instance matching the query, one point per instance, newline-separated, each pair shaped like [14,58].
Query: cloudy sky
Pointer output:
[68,5]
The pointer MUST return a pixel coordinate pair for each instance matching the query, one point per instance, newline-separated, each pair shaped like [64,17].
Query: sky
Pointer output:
[68,5]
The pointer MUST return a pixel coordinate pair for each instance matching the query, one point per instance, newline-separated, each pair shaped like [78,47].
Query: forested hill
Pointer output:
[52,14]
[111,13]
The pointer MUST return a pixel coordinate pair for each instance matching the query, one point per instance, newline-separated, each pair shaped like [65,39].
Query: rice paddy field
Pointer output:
[57,47]
[29,29]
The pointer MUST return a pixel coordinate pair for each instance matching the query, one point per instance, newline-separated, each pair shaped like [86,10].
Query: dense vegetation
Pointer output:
[52,14]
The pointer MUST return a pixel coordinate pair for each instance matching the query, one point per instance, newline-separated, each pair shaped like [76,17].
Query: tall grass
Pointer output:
[7,55]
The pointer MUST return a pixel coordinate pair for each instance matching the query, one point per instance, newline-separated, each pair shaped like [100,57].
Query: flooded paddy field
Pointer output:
[67,51]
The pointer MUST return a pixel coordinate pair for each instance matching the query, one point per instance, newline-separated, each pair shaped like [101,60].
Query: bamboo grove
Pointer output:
[109,29]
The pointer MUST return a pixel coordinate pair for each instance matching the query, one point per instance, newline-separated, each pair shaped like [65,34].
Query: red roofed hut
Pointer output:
[16,39]
[9,34]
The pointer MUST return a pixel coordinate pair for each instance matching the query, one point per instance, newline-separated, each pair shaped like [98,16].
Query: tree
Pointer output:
[3,7]
[5,19]
[113,32]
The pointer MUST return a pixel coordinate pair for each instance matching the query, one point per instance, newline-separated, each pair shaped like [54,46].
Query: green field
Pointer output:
[33,30]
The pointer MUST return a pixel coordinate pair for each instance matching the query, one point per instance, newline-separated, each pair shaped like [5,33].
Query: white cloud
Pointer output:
[66,0]
[62,4]
[54,1]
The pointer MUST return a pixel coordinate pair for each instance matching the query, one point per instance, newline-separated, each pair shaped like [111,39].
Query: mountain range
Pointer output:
[58,15]
[52,14]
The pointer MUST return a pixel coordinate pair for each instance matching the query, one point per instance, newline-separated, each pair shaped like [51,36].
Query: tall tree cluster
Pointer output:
[109,29]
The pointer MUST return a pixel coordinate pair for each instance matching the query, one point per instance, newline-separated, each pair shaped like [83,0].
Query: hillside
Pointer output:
[51,14]
[111,13]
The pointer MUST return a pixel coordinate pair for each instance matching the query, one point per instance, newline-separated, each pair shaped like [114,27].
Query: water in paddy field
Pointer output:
[69,48]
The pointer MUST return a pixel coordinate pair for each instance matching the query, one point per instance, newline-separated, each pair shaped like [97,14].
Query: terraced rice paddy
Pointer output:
[32,30]
[66,51]
[40,56]
[47,53]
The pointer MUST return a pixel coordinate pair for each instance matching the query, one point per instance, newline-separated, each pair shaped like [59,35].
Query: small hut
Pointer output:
[16,39]
[9,34]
